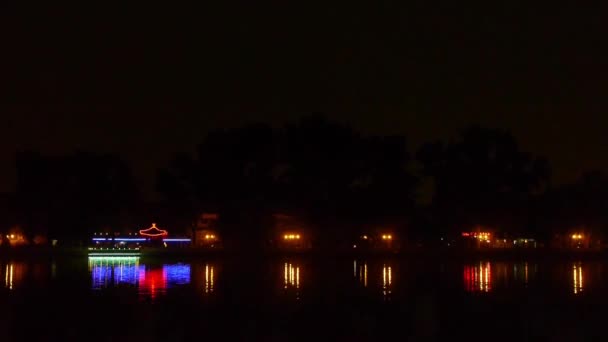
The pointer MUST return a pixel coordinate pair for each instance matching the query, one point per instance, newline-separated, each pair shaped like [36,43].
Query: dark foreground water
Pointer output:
[303,298]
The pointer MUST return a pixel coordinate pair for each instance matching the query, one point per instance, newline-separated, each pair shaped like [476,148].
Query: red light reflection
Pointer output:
[153,281]
[478,278]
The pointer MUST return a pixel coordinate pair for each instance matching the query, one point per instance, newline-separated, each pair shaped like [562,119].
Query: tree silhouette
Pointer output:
[581,206]
[314,167]
[483,178]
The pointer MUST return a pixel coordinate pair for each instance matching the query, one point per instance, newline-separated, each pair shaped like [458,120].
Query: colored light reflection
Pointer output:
[108,271]
[112,270]
[478,278]
[177,274]
[577,278]
[152,281]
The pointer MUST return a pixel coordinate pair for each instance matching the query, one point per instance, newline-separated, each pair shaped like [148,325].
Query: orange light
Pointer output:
[153,231]
[291,236]
[364,237]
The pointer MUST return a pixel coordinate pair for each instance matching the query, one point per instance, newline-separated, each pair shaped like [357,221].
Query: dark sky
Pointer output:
[146,82]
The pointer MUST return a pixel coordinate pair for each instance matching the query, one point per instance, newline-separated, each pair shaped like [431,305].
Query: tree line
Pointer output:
[324,172]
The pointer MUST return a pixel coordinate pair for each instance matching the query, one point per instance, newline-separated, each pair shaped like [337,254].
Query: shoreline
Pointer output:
[534,254]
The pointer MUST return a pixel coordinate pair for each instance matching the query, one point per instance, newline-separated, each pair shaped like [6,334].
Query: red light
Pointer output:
[466,234]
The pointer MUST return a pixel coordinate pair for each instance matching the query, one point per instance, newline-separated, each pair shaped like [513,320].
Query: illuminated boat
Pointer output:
[105,244]
[114,251]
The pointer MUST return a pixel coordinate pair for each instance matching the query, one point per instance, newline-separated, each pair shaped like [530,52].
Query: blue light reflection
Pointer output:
[109,271]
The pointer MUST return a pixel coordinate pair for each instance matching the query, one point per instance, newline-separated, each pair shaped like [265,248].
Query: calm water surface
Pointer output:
[132,298]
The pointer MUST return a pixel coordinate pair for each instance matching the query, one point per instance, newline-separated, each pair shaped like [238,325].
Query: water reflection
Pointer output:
[360,272]
[8,278]
[291,278]
[387,281]
[14,274]
[478,278]
[177,274]
[376,278]
[577,278]
[523,273]
[209,278]
[150,280]
[381,276]
[205,277]
[107,271]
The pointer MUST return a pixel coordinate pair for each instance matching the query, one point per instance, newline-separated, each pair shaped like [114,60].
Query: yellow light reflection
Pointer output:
[486,279]
[577,278]
[285,275]
[209,278]
[291,276]
[387,281]
[14,274]
[361,272]
[10,279]
[384,275]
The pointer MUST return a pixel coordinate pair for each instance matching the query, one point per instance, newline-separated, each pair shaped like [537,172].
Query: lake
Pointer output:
[301,298]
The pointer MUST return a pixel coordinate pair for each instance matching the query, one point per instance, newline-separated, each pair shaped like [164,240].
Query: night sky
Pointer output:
[146,82]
